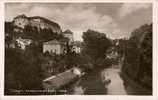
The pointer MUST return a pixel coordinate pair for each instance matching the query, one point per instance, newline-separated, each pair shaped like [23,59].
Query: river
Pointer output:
[94,83]
[116,86]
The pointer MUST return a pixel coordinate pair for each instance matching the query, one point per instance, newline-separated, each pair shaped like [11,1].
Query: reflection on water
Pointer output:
[89,84]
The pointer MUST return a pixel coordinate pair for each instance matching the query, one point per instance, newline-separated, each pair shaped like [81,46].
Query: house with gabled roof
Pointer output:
[54,47]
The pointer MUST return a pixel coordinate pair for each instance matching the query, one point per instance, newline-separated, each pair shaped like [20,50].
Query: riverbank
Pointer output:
[133,88]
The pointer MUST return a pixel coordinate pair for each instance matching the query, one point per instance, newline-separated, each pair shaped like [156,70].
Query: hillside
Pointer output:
[36,21]
[35,28]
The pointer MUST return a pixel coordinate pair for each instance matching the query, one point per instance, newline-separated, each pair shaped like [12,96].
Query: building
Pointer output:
[21,21]
[77,49]
[57,81]
[54,46]
[111,53]
[22,43]
[77,46]
[69,34]
[77,71]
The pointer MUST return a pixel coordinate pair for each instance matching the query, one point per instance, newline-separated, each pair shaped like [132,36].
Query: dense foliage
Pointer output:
[138,56]
[95,46]
[22,71]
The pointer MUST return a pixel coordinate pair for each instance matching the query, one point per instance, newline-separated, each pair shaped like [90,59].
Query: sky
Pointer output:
[116,20]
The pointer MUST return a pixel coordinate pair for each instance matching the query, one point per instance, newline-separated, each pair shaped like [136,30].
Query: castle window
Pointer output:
[19,23]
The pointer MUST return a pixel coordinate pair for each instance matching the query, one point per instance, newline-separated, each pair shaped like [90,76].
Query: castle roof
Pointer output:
[68,32]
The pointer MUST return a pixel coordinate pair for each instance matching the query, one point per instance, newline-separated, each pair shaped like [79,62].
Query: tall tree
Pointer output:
[95,44]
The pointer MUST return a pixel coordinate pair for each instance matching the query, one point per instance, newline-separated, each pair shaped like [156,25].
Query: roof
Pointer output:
[54,42]
[68,32]
[61,79]
[24,40]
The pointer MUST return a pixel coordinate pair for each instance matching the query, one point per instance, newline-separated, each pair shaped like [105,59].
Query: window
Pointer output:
[19,23]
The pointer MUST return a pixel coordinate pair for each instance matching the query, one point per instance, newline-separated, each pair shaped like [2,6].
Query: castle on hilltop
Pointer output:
[20,22]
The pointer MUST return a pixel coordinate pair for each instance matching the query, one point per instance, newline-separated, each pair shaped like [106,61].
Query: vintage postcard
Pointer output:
[79,48]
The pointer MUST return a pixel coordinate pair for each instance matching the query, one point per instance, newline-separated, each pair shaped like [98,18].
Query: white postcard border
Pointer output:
[84,97]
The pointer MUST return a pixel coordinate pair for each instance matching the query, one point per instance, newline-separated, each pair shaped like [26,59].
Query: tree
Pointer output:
[22,71]
[8,33]
[138,56]
[95,45]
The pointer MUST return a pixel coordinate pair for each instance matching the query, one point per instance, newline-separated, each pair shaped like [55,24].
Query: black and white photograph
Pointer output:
[78,48]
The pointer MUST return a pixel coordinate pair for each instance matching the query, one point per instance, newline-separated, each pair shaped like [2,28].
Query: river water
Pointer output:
[116,87]
[94,83]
